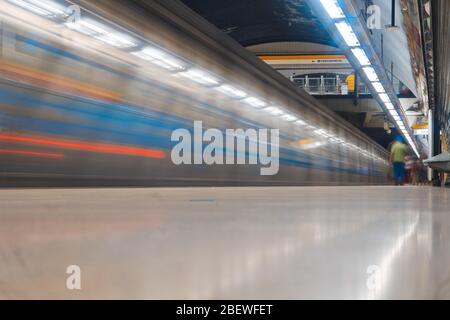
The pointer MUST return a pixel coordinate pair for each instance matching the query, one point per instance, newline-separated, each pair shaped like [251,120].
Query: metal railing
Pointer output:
[322,85]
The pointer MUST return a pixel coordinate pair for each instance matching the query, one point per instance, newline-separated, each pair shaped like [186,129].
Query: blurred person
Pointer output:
[415,168]
[409,164]
[390,175]
[397,158]
[415,174]
[350,82]
[423,174]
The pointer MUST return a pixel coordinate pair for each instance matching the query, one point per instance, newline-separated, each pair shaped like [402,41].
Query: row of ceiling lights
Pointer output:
[162,58]
[336,13]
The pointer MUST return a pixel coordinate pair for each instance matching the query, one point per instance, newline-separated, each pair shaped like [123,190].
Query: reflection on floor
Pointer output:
[226,243]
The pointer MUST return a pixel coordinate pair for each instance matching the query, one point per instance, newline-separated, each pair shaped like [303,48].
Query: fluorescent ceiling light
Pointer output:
[41,7]
[232,91]
[397,118]
[389,106]
[361,56]
[161,58]
[384,97]
[255,102]
[333,9]
[289,118]
[371,74]
[89,27]
[201,77]
[275,111]
[378,87]
[118,40]
[393,112]
[347,33]
[103,33]
[300,122]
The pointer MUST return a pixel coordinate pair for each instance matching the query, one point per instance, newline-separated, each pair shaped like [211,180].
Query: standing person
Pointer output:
[416,173]
[397,157]
[409,162]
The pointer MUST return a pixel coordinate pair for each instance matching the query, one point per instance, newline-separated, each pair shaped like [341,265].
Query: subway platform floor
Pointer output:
[226,243]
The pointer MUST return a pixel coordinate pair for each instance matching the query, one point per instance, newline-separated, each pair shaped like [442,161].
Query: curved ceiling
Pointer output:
[252,22]
[255,22]
[280,25]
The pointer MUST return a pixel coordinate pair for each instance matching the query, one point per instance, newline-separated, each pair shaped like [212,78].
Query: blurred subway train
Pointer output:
[91,92]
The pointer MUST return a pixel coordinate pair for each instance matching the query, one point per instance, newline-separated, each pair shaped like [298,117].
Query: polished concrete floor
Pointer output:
[227,243]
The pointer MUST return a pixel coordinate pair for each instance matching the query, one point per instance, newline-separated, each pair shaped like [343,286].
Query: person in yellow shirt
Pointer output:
[397,157]
[350,81]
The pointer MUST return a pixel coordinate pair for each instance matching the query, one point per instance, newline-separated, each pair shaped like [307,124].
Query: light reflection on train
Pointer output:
[87,102]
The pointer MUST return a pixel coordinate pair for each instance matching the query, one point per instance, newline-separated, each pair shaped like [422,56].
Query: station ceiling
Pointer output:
[252,22]
[260,22]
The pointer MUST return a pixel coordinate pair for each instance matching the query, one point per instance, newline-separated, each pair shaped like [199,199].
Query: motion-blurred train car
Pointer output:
[91,92]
